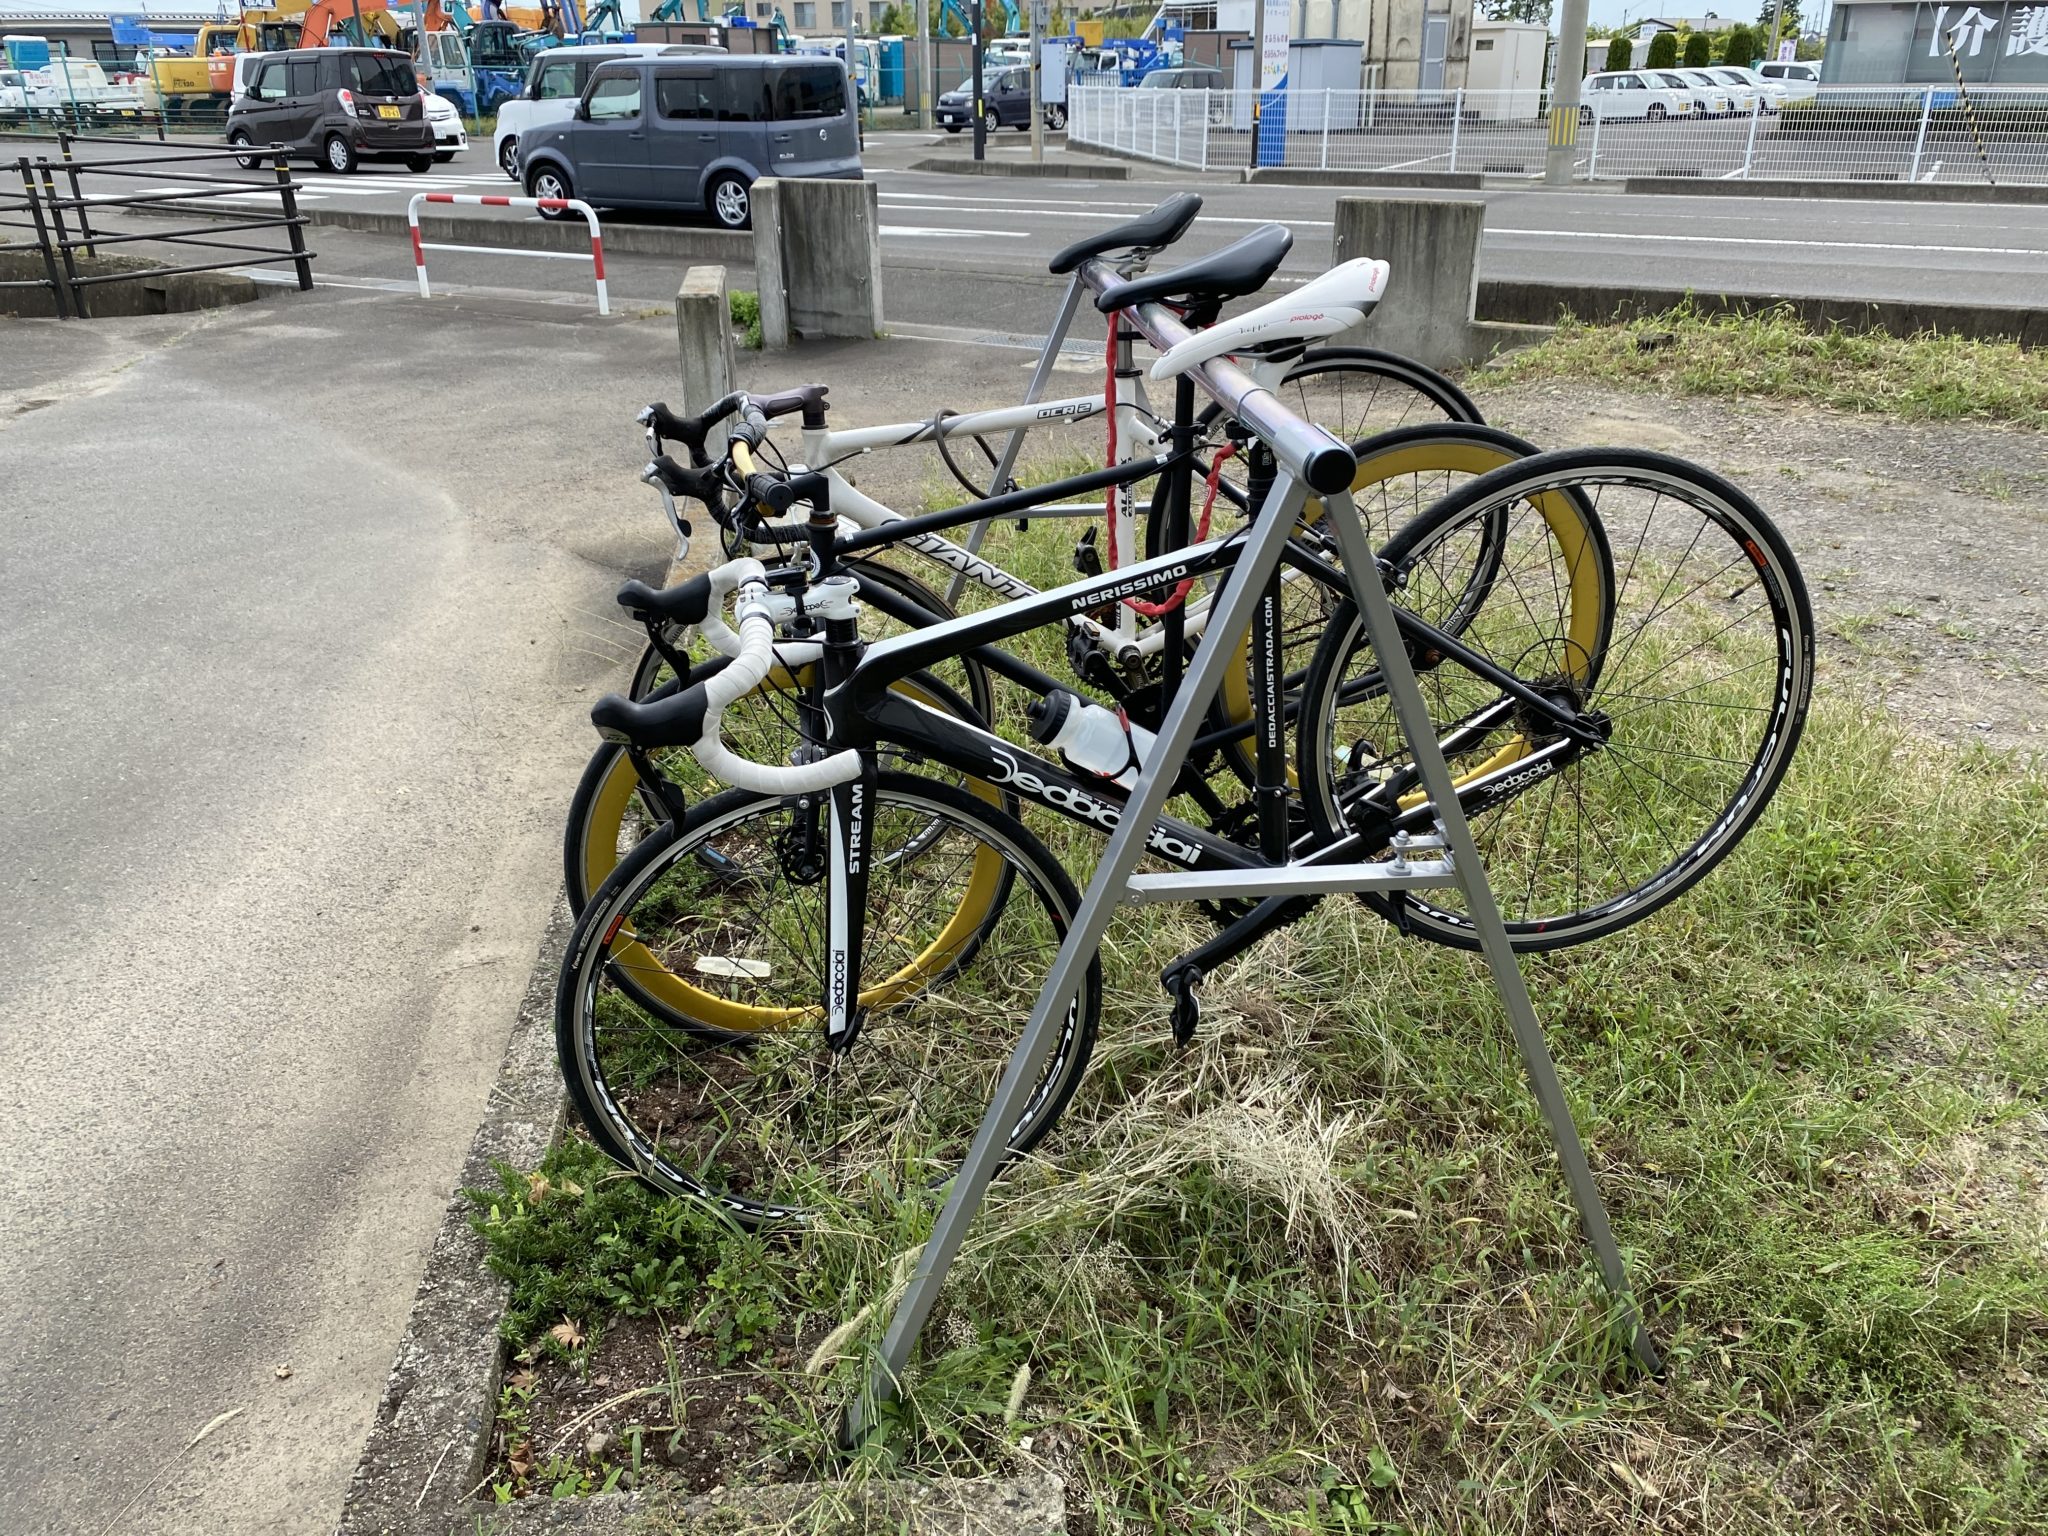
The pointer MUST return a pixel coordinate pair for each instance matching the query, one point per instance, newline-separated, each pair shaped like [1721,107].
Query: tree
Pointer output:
[1738,46]
[1537,11]
[1621,52]
[1663,51]
[1699,50]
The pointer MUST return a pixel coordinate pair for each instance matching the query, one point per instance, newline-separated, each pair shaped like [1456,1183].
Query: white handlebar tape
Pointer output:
[754,659]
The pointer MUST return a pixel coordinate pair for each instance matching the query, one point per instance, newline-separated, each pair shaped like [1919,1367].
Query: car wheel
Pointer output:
[240,140]
[991,122]
[1656,112]
[1055,117]
[508,158]
[418,163]
[548,182]
[444,156]
[1585,114]
[729,201]
[339,155]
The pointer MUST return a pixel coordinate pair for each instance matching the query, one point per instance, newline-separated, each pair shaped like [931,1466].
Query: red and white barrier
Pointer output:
[420,247]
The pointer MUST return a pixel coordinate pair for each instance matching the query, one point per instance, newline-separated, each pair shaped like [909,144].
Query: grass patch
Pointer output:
[743,305]
[1770,354]
[1318,1272]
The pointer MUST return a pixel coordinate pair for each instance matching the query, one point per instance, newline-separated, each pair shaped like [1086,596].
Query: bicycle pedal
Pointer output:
[1087,558]
[1187,1004]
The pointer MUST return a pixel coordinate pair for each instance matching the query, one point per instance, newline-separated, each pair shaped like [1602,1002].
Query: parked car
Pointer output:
[1185,77]
[1737,77]
[445,118]
[1005,103]
[337,106]
[1801,80]
[1653,94]
[1711,97]
[696,133]
[13,91]
[555,83]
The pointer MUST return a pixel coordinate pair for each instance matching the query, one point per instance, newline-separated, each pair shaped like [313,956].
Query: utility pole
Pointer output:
[927,78]
[980,136]
[852,70]
[1564,95]
[1258,71]
[1038,8]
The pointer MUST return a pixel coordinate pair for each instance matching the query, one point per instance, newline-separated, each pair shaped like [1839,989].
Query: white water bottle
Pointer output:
[1089,737]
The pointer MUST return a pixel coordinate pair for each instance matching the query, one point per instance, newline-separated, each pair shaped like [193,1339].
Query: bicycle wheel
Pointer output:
[1400,475]
[612,811]
[1358,392]
[746,1106]
[1652,595]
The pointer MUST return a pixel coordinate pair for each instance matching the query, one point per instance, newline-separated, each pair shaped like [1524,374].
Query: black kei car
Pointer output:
[1005,103]
[338,106]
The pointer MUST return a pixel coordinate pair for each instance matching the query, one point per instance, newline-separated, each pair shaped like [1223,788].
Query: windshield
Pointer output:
[378,74]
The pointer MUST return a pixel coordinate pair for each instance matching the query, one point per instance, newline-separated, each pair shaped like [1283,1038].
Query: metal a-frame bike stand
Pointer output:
[1305,456]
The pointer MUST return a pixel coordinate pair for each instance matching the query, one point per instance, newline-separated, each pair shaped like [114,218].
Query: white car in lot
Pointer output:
[1715,98]
[1738,77]
[1650,94]
[450,137]
[1800,80]
[554,84]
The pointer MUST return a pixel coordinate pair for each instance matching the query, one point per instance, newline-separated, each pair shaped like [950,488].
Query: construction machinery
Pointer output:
[362,23]
[197,88]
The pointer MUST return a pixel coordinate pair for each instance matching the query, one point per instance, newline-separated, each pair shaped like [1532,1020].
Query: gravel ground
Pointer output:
[1925,545]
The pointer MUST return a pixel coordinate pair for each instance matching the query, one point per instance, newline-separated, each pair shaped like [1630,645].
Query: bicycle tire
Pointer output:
[640,1117]
[1599,657]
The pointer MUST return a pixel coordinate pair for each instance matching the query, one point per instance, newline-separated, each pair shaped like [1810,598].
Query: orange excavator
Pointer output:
[371,20]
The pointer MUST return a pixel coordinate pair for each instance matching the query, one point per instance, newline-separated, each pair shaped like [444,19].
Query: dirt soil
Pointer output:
[586,1411]
[1924,544]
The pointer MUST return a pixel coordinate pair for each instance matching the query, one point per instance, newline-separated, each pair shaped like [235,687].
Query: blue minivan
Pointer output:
[696,133]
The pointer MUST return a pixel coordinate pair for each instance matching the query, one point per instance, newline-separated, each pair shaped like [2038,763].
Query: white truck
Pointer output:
[48,81]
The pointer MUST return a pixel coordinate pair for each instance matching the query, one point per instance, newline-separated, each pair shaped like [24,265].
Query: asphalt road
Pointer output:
[944,233]
[304,623]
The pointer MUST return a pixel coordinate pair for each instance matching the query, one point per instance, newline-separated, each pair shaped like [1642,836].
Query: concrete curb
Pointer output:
[1290,176]
[432,1430]
[1875,191]
[1058,169]
[429,1443]
[1543,304]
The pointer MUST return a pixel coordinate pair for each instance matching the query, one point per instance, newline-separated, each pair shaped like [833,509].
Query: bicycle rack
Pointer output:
[1296,446]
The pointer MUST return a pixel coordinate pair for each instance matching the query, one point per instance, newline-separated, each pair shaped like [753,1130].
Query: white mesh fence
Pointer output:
[1837,133]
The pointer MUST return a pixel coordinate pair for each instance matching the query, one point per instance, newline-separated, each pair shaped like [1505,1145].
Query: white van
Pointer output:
[554,84]
[1652,94]
[1801,80]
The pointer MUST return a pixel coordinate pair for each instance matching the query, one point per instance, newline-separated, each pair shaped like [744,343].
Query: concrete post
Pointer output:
[768,278]
[817,259]
[704,340]
[1433,247]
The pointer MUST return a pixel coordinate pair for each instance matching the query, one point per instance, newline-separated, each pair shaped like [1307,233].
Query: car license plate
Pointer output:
[387,112]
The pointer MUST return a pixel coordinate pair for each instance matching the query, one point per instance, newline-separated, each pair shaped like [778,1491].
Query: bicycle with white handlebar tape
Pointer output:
[1112,654]
[760,916]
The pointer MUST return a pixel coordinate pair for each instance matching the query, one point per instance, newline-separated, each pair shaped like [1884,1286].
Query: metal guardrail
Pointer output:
[84,117]
[1918,133]
[56,208]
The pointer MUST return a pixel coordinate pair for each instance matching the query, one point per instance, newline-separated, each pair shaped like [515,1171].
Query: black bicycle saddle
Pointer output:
[1241,267]
[1147,232]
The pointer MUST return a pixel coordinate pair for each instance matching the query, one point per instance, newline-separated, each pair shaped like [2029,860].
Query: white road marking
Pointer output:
[955,234]
[1814,245]
[922,206]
